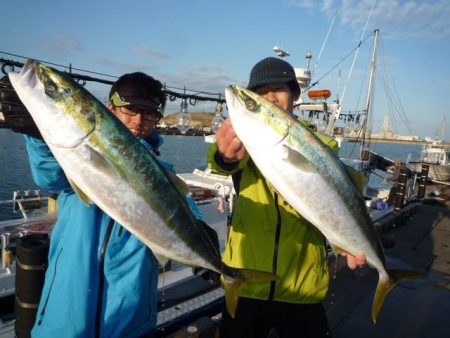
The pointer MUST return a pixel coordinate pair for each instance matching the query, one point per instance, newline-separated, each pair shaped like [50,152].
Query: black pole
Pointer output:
[31,263]
[423,178]
[399,197]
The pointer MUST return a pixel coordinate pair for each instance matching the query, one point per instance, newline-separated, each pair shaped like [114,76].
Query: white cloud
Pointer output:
[201,79]
[62,45]
[402,19]
[126,67]
[213,78]
[151,53]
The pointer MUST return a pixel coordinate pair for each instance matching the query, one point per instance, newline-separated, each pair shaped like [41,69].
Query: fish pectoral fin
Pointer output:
[383,288]
[296,159]
[102,164]
[357,177]
[86,200]
[232,285]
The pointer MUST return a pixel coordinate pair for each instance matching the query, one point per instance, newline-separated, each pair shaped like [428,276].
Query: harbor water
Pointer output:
[185,152]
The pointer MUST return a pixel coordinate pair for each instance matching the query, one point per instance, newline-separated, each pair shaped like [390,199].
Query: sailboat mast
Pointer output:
[368,107]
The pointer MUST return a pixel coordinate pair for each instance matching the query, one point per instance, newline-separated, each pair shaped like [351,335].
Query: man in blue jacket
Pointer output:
[101,281]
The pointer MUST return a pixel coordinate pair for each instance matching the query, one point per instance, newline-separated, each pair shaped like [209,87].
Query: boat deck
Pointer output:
[412,309]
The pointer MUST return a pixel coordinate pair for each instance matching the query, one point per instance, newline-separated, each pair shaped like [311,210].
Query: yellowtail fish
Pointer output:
[108,166]
[312,179]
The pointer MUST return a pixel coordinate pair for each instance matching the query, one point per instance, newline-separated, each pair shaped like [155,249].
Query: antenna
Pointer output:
[280,52]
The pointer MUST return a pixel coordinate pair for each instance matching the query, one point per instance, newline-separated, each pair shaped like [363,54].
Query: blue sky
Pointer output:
[206,45]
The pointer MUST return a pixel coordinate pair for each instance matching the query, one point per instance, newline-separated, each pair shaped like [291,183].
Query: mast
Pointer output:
[368,107]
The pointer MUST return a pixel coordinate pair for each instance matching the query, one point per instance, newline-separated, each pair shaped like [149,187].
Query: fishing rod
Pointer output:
[11,65]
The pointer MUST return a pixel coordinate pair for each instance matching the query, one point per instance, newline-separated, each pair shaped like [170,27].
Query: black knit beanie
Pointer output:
[273,70]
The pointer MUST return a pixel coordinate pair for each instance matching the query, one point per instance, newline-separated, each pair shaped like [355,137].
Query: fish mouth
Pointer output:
[29,73]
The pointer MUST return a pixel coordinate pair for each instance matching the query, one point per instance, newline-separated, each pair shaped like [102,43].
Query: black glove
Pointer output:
[15,114]
[209,275]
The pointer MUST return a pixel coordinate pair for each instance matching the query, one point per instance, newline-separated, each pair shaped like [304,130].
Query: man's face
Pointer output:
[279,94]
[140,122]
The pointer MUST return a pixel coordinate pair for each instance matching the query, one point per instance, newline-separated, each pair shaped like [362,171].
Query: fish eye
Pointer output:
[250,104]
[50,89]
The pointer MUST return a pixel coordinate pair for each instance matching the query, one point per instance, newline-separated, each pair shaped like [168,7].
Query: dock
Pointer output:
[189,132]
[421,308]
[394,140]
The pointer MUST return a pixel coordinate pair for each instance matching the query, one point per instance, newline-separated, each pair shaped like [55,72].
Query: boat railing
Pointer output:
[37,217]
[26,200]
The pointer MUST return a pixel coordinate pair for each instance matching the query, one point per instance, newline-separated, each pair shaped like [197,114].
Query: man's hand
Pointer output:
[15,114]
[354,261]
[228,144]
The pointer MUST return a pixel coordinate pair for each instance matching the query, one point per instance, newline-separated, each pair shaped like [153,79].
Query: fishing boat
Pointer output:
[436,155]
[330,119]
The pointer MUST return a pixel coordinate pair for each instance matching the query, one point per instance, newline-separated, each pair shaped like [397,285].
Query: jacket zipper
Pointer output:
[41,315]
[101,278]
[275,249]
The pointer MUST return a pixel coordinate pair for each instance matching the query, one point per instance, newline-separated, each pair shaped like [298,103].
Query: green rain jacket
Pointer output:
[268,234]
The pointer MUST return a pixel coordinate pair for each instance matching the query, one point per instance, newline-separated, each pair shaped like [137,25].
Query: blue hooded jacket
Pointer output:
[83,239]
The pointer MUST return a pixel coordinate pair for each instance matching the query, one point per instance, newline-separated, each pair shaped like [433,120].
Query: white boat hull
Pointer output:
[437,172]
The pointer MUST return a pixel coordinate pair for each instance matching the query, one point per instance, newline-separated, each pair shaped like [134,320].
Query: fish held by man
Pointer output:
[108,166]
[312,179]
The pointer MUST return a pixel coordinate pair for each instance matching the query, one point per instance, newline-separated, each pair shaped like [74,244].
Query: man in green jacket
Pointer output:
[268,234]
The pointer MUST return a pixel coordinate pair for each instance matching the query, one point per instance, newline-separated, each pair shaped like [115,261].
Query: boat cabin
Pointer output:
[435,154]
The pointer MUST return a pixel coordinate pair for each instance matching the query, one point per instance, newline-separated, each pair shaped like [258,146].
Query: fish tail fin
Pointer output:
[383,287]
[240,277]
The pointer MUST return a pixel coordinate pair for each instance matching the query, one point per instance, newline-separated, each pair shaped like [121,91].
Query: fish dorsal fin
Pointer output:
[357,177]
[86,200]
[178,183]
[296,159]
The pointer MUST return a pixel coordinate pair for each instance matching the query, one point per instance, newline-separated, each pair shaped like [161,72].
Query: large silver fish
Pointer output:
[312,179]
[110,167]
